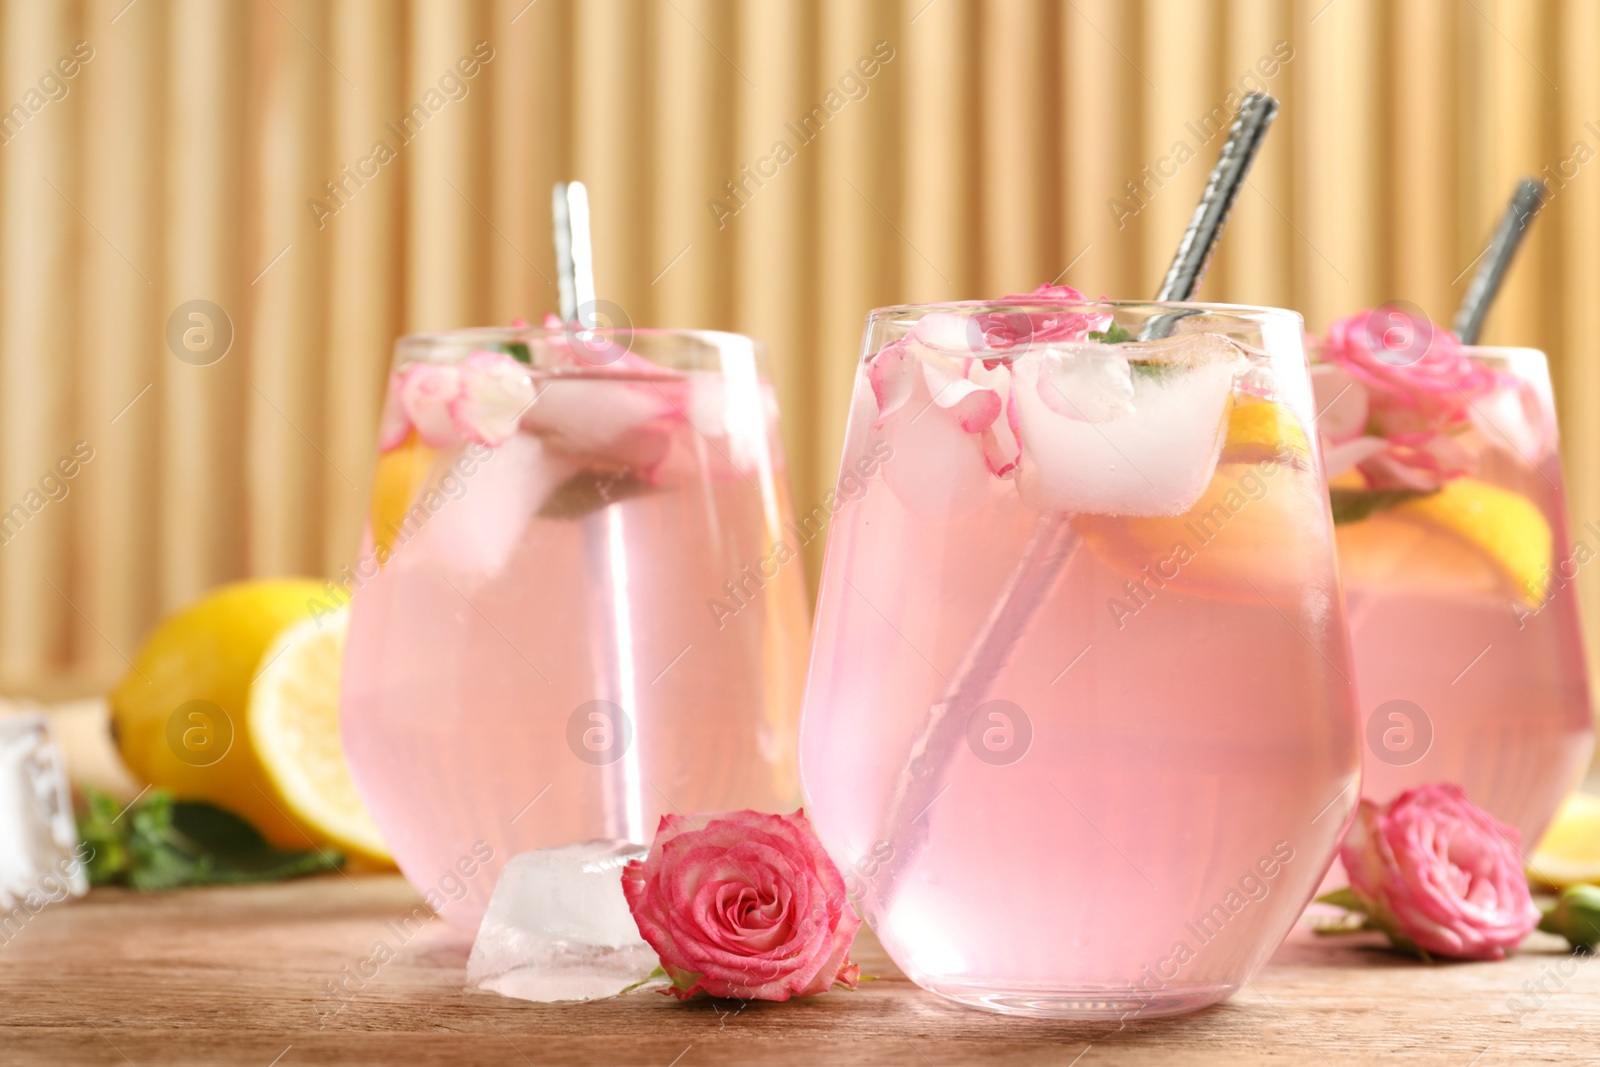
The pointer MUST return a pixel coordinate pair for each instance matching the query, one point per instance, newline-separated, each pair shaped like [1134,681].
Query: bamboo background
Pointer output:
[981,161]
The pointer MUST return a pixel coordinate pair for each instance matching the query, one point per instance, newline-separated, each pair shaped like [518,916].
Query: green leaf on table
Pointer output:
[162,843]
[1353,505]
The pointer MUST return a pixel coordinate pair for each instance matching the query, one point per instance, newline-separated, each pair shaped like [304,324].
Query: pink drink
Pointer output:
[1463,613]
[553,654]
[1119,607]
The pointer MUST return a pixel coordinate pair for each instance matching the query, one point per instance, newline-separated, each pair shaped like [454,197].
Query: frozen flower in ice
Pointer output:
[479,399]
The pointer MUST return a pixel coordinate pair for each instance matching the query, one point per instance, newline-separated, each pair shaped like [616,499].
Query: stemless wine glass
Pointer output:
[579,605]
[1079,725]
[1458,566]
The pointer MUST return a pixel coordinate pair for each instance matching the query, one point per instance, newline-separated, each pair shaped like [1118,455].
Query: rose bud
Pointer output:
[743,904]
[1576,916]
[1439,875]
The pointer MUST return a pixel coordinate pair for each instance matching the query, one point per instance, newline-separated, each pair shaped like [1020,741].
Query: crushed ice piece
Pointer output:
[559,928]
[39,851]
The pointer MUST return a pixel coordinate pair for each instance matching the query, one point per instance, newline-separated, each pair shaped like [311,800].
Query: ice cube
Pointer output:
[39,859]
[1154,460]
[475,514]
[1087,382]
[559,928]
[1513,417]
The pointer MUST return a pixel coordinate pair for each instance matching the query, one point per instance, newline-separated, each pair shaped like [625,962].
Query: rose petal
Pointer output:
[606,422]
[393,426]
[1338,458]
[1341,403]
[892,376]
[426,392]
[974,406]
[495,390]
[946,332]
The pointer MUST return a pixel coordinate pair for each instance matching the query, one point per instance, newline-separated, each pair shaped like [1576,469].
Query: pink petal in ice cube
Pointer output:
[393,425]
[1342,403]
[890,373]
[426,392]
[1338,458]
[974,406]
[495,390]
[946,332]
[607,422]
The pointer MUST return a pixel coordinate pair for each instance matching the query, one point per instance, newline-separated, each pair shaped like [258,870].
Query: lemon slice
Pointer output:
[1259,518]
[1506,527]
[294,729]
[399,476]
[1262,430]
[1569,853]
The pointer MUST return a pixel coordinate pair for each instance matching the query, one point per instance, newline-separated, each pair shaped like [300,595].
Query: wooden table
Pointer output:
[242,975]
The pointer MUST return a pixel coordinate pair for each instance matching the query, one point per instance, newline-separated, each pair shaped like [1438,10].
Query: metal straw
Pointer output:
[1250,127]
[569,209]
[1049,549]
[1525,204]
[603,535]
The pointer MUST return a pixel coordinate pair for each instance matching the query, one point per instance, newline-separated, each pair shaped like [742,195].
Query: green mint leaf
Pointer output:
[589,491]
[235,853]
[1152,370]
[1114,335]
[1353,505]
[517,350]
[162,843]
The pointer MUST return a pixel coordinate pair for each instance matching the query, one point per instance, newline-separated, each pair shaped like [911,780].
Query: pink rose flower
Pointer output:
[743,904]
[1395,392]
[1437,873]
[1041,327]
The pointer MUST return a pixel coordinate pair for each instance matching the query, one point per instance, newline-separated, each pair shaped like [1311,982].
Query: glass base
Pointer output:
[1115,1005]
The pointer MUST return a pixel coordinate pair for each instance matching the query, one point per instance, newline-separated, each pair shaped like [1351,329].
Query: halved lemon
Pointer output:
[1569,852]
[179,715]
[294,730]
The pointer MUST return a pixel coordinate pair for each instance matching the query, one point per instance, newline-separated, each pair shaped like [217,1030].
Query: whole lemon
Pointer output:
[180,717]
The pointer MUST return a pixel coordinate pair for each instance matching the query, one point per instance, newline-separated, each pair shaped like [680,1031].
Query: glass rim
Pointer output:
[1511,355]
[1027,302]
[502,334]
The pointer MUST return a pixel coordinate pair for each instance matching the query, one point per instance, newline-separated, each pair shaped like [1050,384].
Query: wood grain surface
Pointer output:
[242,975]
